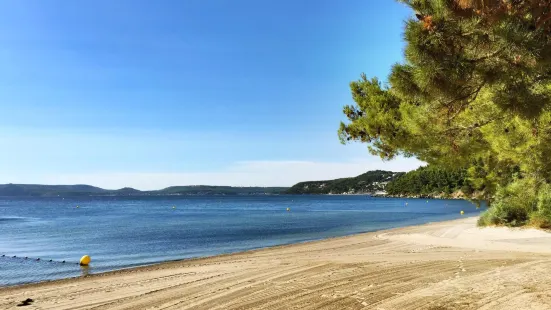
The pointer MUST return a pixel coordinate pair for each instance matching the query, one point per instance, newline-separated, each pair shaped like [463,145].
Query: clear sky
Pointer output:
[149,94]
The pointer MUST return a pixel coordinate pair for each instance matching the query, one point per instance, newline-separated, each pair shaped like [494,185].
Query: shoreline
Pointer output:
[248,251]
[393,268]
[222,255]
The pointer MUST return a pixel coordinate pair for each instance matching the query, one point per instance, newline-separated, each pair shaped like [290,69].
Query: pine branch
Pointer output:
[494,54]
[543,20]
[470,128]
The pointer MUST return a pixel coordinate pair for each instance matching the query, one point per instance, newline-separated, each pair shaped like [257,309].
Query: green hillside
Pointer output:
[219,190]
[430,181]
[368,183]
[35,190]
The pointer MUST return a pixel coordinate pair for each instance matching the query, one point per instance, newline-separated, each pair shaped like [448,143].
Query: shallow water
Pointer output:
[120,232]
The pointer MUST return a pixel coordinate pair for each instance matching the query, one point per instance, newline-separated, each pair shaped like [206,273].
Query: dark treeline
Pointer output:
[429,180]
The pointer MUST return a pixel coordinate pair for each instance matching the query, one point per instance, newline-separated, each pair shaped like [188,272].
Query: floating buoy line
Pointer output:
[38,259]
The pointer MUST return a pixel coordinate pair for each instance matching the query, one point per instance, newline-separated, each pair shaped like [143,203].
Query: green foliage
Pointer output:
[513,205]
[430,180]
[542,216]
[368,182]
[535,14]
[474,93]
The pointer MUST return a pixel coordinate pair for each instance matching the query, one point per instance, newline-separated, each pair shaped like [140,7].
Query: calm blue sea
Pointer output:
[124,232]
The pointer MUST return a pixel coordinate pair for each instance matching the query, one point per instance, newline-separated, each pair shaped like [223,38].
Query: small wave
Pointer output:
[12,219]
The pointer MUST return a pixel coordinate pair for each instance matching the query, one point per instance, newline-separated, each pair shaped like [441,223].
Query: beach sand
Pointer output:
[446,265]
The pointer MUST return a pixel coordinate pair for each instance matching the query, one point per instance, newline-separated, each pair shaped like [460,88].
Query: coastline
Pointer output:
[426,266]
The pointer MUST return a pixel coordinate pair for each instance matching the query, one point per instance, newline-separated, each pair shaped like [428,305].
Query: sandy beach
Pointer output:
[445,265]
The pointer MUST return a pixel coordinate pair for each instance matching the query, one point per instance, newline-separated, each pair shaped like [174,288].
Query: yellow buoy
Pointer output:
[288,209]
[462,212]
[85,260]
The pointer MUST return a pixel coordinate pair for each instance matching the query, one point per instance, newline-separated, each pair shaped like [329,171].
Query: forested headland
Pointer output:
[370,182]
[428,181]
[431,182]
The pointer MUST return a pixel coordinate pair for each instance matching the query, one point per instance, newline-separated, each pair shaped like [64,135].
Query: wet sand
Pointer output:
[445,265]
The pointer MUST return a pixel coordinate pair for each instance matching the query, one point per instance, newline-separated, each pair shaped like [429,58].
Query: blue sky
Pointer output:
[156,93]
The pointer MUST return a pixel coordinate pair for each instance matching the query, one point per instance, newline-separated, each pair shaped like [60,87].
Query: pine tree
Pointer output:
[475,87]
[538,12]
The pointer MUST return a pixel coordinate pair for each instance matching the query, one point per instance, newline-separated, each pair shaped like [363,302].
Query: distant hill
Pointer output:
[220,190]
[29,190]
[127,191]
[35,190]
[370,182]
[424,182]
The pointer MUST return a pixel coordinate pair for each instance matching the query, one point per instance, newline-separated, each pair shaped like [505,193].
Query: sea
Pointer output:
[43,239]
